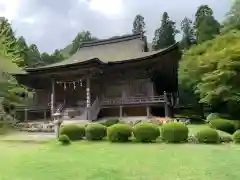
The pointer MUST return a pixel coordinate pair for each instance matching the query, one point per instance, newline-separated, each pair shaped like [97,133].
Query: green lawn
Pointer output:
[131,161]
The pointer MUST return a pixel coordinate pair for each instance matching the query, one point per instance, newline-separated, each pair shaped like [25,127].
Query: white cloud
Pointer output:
[29,20]
[9,8]
[52,24]
[109,8]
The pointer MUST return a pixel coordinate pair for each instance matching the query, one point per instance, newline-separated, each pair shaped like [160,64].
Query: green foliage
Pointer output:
[73,131]
[119,132]
[110,122]
[9,44]
[236,137]
[188,38]
[233,18]
[146,132]
[211,70]
[165,35]
[207,27]
[223,125]
[138,24]
[64,139]
[208,136]
[11,93]
[174,132]
[95,131]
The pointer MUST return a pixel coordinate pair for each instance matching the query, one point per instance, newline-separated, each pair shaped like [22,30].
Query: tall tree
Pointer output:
[188,37]
[233,17]
[57,56]
[165,35]
[211,69]
[46,58]
[23,49]
[207,27]
[10,43]
[34,57]
[138,24]
[81,37]
[11,93]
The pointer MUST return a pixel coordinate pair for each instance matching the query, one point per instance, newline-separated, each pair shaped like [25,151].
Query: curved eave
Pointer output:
[72,65]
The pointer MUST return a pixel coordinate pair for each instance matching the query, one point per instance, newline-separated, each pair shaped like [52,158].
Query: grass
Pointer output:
[102,161]
[129,161]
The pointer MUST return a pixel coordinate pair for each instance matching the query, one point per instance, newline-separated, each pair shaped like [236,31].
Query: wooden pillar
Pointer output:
[166,108]
[148,111]
[45,115]
[25,114]
[53,98]
[88,97]
[120,111]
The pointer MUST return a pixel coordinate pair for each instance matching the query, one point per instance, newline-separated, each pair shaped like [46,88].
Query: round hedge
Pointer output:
[146,132]
[208,136]
[174,132]
[223,125]
[95,131]
[236,137]
[119,132]
[64,139]
[73,131]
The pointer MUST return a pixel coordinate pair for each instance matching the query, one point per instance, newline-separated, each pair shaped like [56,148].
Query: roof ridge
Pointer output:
[112,40]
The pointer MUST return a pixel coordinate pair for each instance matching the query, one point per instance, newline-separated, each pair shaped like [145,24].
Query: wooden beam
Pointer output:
[53,98]
[25,114]
[120,111]
[166,108]
[148,111]
[88,97]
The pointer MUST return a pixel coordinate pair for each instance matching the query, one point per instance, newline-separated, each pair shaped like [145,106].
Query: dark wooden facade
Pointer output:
[93,87]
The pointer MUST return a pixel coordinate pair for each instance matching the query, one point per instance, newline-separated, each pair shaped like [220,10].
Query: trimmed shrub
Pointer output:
[110,122]
[236,137]
[73,131]
[146,132]
[208,136]
[212,116]
[174,132]
[95,131]
[119,132]
[64,139]
[223,125]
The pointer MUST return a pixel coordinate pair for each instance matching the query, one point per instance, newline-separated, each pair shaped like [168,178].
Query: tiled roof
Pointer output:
[112,50]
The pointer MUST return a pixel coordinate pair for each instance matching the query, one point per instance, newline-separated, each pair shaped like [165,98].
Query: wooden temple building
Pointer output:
[111,77]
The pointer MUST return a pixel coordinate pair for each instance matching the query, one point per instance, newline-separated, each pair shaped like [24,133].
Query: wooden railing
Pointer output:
[132,100]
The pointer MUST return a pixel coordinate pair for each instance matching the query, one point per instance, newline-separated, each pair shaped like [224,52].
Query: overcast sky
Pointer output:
[53,24]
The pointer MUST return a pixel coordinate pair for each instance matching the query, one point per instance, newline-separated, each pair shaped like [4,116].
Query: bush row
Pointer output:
[142,132]
[223,125]
[219,122]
